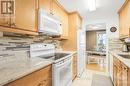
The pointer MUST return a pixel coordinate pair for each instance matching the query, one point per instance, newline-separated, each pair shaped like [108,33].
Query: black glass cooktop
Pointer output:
[60,55]
[56,56]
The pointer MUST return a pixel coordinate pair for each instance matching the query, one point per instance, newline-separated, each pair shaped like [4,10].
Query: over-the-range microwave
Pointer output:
[48,24]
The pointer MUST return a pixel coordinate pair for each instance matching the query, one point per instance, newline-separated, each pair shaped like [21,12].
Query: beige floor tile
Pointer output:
[86,78]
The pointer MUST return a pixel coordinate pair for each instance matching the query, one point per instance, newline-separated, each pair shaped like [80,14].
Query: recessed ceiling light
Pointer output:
[92,5]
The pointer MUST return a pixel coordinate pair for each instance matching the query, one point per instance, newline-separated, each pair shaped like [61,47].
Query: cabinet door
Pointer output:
[128,16]
[59,12]
[119,78]
[5,21]
[46,5]
[74,66]
[5,17]
[115,75]
[124,16]
[123,30]
[65,26]
[79,22]
[124,75]
[25,15]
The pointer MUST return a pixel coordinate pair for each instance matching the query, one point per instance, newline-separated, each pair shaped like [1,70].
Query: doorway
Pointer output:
[96,50]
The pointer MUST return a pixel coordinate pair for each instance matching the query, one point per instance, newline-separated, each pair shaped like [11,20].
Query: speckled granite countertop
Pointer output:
[19,68]
[124,60]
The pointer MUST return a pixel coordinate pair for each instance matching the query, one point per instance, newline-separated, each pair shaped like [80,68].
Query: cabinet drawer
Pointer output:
[39,78]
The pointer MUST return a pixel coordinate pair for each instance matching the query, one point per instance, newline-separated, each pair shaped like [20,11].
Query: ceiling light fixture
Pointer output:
[92,5]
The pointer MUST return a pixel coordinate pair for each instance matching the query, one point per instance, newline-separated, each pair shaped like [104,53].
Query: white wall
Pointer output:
[110,22]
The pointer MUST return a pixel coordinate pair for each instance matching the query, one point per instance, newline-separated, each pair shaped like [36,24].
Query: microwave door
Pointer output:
[50,26]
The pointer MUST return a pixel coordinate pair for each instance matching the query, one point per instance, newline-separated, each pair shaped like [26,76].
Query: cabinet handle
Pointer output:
[125,68]
[40,84]
[13,25]
[8,23]
[51,13]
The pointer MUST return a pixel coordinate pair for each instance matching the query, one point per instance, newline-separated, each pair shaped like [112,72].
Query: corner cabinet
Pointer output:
[124,16]
[42,77]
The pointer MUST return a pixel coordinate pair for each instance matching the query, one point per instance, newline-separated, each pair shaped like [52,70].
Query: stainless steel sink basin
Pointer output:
[124,56]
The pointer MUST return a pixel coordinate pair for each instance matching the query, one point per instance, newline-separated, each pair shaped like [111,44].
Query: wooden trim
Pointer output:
[76,13]
[129,77]
[17,28]
[60,39]
[61,6]
[124,36]
[126,1]
[7,29]
[66,10]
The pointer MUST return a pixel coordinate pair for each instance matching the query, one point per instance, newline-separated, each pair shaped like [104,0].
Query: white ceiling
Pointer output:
[105,8]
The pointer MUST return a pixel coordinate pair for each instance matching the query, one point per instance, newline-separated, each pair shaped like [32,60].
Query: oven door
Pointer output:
[62,73]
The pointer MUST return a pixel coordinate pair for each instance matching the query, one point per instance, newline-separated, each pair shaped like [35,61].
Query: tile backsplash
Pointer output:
[13,49]
[115,44]
[22,43]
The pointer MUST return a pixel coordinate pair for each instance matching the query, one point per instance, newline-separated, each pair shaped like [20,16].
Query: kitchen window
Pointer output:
[101,41]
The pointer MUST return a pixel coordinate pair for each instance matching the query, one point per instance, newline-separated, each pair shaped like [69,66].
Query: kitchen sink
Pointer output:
[124,56]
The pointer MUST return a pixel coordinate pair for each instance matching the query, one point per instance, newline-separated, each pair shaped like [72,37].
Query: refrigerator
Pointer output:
[81,45]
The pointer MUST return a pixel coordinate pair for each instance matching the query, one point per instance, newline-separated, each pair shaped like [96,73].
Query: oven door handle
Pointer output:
[62,64]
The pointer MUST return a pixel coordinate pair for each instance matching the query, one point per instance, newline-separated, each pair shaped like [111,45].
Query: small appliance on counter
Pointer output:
[125,48]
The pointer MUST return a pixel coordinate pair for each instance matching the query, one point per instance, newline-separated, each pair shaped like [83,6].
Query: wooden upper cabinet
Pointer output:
[25,15]
[4,20]
[124,16]
[74,66]
[23,20]
[46,5]
[59,12]
[79,21]
[53,7]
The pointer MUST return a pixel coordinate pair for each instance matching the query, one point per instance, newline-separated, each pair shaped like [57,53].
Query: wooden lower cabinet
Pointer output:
[74,68]
[41,77]
[124,75]
[116,72]
[121,73]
